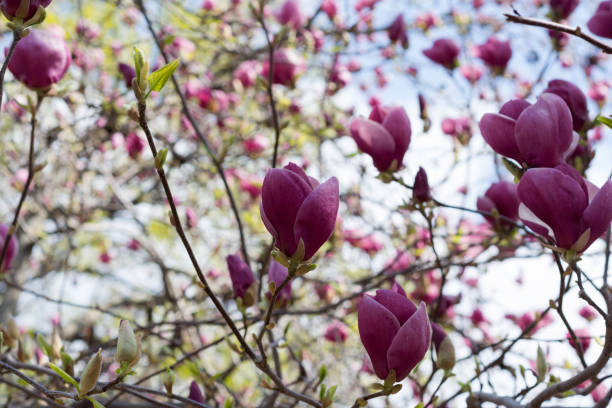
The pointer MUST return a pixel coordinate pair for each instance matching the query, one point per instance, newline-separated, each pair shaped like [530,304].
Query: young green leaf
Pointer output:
[604,120]
[95,403]
[65,376]
[158,79]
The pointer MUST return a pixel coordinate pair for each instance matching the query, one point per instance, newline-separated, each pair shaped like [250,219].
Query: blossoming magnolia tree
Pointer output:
[292,203]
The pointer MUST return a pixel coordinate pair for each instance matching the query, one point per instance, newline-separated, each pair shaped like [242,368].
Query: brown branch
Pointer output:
[16,38]
[28,182]
[575,31]
[199,134]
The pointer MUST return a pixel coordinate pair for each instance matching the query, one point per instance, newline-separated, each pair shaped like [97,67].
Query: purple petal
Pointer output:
[410,344]
[401,307]
[557,199]
[316,218]
[598,214]
[398,125]
[498,131]
[377,328]
[514,107]
[544,131]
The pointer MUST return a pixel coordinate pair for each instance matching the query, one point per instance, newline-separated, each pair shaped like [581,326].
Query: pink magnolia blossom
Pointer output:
[296,207]
[41,59]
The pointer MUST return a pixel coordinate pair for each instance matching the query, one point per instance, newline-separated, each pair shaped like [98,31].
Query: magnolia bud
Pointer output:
[90,375]
[421,191]
[446,354]
[168,380]
[56,345]
[25,350]
[11,333]
[128,346]
[67,363]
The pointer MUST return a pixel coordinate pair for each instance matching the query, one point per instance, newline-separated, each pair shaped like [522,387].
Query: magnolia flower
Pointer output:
[287,66]
[10,7]
[295,207]
[247,72]
[501,197]
[40,59]
[336,332]
[494,53]
[539,135]
[385,136]
[559,204]
[134,145]
[290,14]
[444,52]
[584,338]
[601,22]
[395,333]
[243,280]
[563,8]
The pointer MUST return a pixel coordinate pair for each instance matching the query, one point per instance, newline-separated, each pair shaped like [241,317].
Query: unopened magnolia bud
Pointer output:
[67,363]
[421,191]
[56,345]
[11,332]
[90,375]
[25,349]
[168,380]
[128,346]
[446,354]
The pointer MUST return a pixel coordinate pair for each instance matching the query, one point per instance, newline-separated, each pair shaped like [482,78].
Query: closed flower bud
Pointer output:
[41,59]
[421,191]
[277,274]
[601,22]
[385,136]
[25,349]
[395,333]
[11,332]
[11,250]
[243,280]
[195,394]
[397,31]
[90,375]
[295,207]
[444,52]
[559,204]
[502,198]
[495,53]
[67,363]
[56,345]
[128,72]
[128,345]
[15,8]
[168,380]
[445,351]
